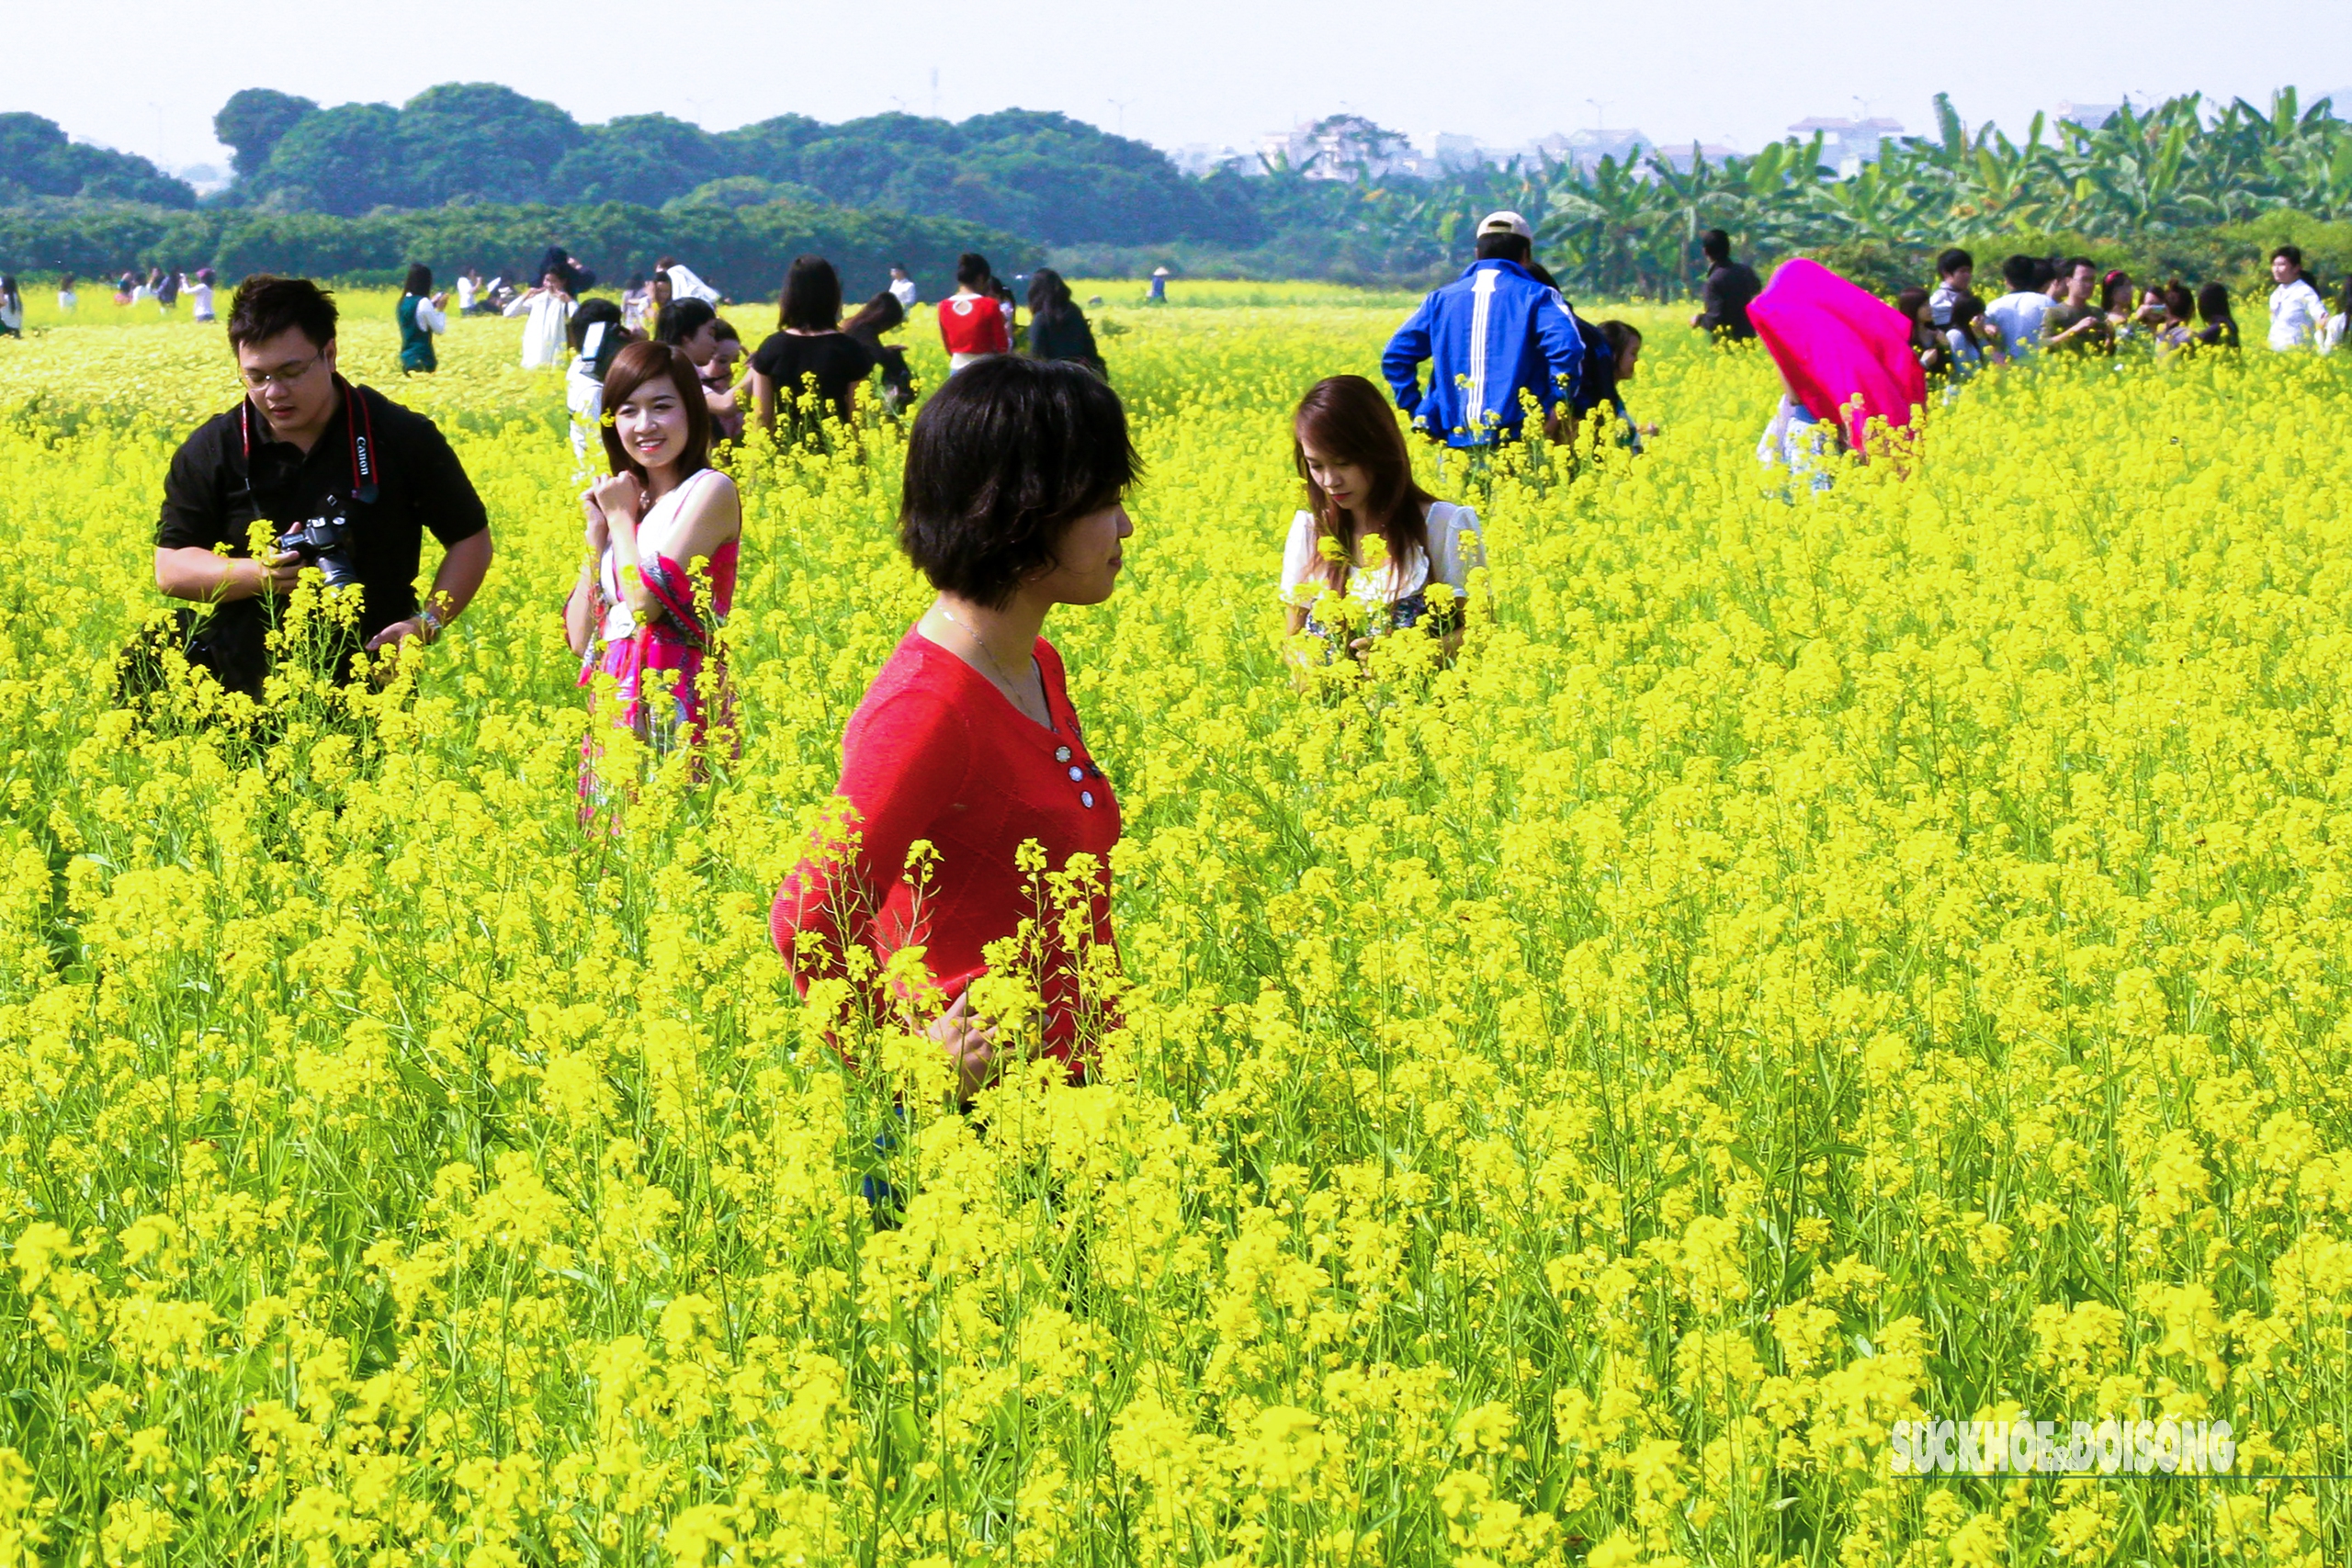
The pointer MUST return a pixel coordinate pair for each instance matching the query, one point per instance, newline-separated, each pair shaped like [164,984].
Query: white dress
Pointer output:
[544,339]
[656,536]
[1454,549]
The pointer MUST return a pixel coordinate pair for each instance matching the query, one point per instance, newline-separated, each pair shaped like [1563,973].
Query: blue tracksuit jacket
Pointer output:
[1489,335]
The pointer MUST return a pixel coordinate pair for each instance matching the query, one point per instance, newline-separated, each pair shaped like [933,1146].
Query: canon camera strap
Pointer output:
[357,422]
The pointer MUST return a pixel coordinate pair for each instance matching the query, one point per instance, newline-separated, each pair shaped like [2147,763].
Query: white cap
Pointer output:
[1505,223]
[1159,272]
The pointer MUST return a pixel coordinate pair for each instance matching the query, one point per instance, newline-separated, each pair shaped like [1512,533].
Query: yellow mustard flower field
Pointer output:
[1818,963]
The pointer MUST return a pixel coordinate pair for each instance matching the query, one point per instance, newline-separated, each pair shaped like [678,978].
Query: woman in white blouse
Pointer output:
[548,308]
[1372,552]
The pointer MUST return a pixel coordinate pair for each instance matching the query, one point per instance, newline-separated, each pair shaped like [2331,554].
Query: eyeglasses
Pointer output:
[284,376]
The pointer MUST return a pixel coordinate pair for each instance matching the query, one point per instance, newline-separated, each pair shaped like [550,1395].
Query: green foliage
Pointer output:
[1044,176]
[35,159]
[253,122]
[741,249]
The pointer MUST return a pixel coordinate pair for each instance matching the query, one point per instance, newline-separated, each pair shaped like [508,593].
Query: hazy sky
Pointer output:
[147,77]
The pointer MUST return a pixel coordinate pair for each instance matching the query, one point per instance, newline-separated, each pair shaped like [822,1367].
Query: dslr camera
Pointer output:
[325,542]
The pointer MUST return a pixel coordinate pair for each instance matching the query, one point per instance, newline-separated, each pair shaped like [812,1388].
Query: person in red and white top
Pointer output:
[970,324]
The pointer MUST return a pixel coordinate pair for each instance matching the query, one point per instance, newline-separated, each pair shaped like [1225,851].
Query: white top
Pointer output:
[2331,337]
[1454,549]
[65,298]
[2296,314]
[584,396]
[142,293]
[2019,316]
[465,293]
[543,336]
[685,285]
[655,537]
[12,317]
[902,289]
[428,315]
[201,293]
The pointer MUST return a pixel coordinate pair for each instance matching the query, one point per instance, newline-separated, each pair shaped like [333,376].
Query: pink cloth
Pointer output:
[1836,343]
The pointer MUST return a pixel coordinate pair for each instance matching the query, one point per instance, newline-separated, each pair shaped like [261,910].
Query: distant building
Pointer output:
[1200,159]
[2090,117]
[1847,144]
[203,178]
[1342,146]
[1678,158]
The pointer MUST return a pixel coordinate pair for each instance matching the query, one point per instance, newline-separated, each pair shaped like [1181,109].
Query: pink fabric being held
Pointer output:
[1843,353]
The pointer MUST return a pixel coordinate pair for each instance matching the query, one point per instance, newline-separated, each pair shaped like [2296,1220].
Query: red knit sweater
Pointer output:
[974,324]
[936,752]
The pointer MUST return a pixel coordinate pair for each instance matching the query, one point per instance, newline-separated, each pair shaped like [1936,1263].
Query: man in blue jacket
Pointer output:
[1489,335]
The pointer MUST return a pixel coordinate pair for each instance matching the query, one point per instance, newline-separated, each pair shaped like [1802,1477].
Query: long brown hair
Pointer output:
[631,369]
[1349,422]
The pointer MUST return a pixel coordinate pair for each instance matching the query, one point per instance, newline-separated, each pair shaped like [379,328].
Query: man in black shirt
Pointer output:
[1730,284]
[308,447]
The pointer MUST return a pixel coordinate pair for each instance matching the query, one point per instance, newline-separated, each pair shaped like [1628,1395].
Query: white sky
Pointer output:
[147,76]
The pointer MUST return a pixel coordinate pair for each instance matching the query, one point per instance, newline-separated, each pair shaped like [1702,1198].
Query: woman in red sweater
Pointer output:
[972,324]
[966,739]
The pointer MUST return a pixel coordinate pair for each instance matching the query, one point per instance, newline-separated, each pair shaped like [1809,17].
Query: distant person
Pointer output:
[1492,335]
[659,291]
[2179,328]
[126,289]
[970,325]
[596,336]
[1954,310]
[2016,317]
[12,306]
[2296,311]
[1159,295]
[1361,491]
[637,303]
[692,327]
[419,316]
[364,477]
[717,377]
[1058,328]
[2116,302]
[578,276]
[2221,328]
[1730,284]
[2331,337]
[468,288]
[664,536]
[883,313]
[65,298]
[808,354]
[167,289]
[902,289]
[2077,323]
[1624,341]
[685,285]
[199,294]
[1926,344]
[547,310]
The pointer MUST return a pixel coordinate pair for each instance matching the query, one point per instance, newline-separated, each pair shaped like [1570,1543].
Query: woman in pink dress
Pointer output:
[663,534]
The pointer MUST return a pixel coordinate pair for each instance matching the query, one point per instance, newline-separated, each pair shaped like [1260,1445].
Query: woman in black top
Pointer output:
[2221,329]
[808,345]
[884,314]
[1058,328]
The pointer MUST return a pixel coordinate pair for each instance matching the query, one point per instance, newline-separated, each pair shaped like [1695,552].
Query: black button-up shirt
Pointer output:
[216,489]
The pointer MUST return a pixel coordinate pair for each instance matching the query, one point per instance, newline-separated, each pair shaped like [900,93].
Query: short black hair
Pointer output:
[2294,253]
[1952,260]
[1001,460]
[2076,264]
[972,269]
[811,299]
[2019,272]
[724,330]
[268,305]
[1715,246]
[681,319]
[1619,334]
[1504,245]
[2213,302]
